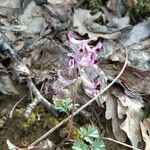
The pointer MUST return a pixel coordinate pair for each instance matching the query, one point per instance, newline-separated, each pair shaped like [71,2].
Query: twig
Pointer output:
[84,106]
[38,99]
[12,110]
[115,141]
[22,70]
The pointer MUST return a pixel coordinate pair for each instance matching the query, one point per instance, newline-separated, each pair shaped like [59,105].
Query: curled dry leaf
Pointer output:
[111,113]
[138,33]
[137,45]
[6,85]
[44,145]
[32,19]
[145,129]
[9,7]
[132,109]
[60,10]
[119,23]
[82,18]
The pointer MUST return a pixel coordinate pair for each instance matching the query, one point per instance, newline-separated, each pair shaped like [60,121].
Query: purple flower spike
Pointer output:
[84,55]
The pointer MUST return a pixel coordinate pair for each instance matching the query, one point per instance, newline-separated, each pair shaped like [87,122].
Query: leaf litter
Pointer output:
[38,32]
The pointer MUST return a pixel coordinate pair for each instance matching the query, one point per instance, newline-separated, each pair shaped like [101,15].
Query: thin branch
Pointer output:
[124,144]
[38,99]
[85,105]
[22,70]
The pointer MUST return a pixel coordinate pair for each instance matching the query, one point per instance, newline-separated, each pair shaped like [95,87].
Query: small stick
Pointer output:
[84,106]
[115,141]
[12,110]
[38,99]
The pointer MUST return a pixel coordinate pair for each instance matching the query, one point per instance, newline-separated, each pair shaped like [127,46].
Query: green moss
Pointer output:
[74,132]
[50,121]
[22,122]
[93,5]
[140,11]
[146,110]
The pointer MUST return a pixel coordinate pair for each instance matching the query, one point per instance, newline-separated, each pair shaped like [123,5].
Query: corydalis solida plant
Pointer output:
[84,55]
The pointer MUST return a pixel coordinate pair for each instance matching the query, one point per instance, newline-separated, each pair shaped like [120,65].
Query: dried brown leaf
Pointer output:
[83,17]
[111,113]
[116,6]
[32,19]
[6,85]
[145,129]
[134,114]
[9,7]
[44,145]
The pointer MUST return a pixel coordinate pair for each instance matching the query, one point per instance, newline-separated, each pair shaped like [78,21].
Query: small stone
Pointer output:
[2,122]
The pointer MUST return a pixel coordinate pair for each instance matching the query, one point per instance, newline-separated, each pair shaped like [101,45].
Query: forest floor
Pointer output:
[74,74]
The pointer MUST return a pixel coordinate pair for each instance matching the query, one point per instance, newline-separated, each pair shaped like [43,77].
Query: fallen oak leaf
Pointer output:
[145,129]
[133,113]
[111,113]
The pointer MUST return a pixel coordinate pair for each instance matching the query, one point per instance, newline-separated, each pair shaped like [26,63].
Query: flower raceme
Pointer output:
[83,54]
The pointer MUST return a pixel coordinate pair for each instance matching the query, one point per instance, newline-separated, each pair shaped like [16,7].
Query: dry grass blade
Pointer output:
[12,110]
[115,141]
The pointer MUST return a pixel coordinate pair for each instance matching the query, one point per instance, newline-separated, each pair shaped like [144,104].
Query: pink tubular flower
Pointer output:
[80,44]
[90,87]
[84,55]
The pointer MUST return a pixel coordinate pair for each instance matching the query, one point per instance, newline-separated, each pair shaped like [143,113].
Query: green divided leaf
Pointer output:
[89,133]
[78,145]
[64,105]
[98,145]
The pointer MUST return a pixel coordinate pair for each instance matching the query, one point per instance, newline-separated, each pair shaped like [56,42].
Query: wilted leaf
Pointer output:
[9,7]
[111,113]
[132,81]
[133,110]
[139,32]
[6,85]
[119,23]
[44,145]
[32,19]
[145,129]
[82,17]
[16,28]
